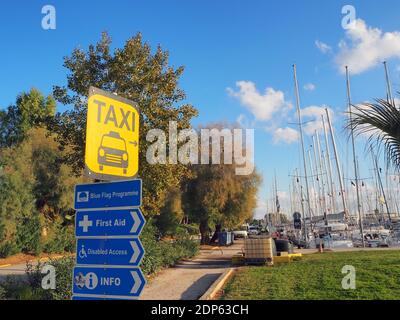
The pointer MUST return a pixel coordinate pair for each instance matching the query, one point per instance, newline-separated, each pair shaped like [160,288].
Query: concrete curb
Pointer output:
[217,285]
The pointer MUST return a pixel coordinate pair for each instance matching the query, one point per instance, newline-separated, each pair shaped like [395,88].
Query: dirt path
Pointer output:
[189,280]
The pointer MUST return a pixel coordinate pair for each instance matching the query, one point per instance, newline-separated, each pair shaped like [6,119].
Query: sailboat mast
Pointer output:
[304,227]
[389,194]
[278,207]
[339,171]
[302,142]
[321,166]
[354,158]
[315,194]
[388,85]
[328,157]
[291,198]
[378,205]
[318,177]
[381,185]
[361,185]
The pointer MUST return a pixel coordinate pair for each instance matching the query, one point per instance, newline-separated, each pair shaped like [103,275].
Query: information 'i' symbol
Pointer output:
[91,280]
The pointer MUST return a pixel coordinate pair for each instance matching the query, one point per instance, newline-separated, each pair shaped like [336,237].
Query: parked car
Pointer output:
[253,230]
[242,232]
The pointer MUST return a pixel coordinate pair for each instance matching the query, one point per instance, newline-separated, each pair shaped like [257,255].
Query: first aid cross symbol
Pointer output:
[85,223]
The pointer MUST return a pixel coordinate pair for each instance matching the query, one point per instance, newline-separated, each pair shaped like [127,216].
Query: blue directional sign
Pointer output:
[121,283]
[120,194]
[87,298]
[102,223]
[93,297]
[105,251]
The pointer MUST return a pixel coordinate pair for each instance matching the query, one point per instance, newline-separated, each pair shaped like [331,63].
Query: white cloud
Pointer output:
[245,122]
[261,209]
[313,115]
[323,47]
[283,195]
[366,47]
[285,135]
[309,87]
[262,106]
[241,120]
[312,121]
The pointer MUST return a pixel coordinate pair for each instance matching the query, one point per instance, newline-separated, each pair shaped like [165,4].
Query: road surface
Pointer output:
[18,269]
[12,270]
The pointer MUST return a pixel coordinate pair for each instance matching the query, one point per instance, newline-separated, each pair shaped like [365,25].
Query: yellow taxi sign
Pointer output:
[112,137]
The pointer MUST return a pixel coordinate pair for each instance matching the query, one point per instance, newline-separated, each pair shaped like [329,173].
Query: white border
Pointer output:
[104,296]
[110,208]
[124,266]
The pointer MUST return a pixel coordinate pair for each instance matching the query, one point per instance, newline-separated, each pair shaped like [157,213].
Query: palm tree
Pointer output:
[381,122]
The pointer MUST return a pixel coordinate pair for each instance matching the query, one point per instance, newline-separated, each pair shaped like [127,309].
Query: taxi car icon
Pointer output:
[112,152]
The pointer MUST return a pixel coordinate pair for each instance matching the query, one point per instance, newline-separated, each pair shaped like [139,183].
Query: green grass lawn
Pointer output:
[318,276]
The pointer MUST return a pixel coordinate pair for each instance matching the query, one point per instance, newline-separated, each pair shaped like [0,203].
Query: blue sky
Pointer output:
[221,43]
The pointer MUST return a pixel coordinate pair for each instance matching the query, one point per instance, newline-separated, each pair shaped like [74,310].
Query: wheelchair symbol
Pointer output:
[82,253]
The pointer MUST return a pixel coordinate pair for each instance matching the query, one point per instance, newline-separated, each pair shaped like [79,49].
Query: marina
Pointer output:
[321,215]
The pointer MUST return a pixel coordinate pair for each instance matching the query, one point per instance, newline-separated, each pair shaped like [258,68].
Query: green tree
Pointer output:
[171,214]
[36,191]
[135,73]
[216,195]
[17,201]
[54,181]
[31,109]
[36,188]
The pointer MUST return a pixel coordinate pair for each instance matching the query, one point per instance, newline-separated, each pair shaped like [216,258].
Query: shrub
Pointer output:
[189,247]
[64,241]
[8,249]
[15,289]
[152,260]
[28,235]
[25,292]
[161,253]
[64,268]
[191,229]
[63,290]
[2,293]
[167,222]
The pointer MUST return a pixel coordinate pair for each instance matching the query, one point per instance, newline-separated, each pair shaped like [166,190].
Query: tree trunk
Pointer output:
[218,229]
[205,232]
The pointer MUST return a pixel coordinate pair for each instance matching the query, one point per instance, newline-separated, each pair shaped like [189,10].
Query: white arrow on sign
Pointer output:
[136,221]
[137,282]
[136,247]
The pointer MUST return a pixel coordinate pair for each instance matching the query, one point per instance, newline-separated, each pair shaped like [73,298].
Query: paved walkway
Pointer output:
[189,280]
